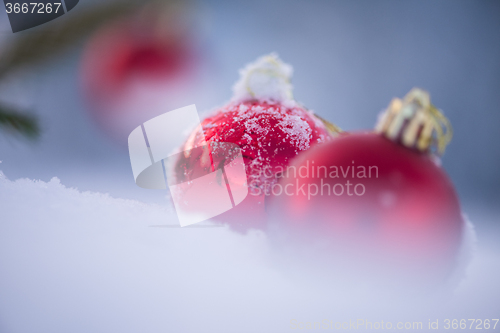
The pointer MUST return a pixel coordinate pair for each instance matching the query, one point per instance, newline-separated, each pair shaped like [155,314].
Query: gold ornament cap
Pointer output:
[416,123]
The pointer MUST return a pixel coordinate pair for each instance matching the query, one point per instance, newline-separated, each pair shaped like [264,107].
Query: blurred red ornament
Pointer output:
[268,126]
[136,68]
[380,196]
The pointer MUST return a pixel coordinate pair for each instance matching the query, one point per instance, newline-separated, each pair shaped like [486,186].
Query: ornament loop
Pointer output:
[440,122]
[266,79]
[273,71]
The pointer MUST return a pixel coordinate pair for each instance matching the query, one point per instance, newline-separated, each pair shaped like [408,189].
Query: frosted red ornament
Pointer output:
[379,196]
[270,128]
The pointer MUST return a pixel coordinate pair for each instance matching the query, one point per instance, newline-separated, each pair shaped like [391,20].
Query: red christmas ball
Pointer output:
[270,136]
[270,128]
[374,199]
[134,69]
[124,51]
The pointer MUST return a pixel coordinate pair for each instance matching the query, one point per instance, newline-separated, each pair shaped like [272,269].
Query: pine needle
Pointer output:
[26,125]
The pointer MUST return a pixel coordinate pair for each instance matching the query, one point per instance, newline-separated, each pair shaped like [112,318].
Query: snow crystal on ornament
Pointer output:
[269,135]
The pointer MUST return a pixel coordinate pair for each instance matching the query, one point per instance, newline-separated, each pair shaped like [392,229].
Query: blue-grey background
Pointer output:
[350,59]
[79,262]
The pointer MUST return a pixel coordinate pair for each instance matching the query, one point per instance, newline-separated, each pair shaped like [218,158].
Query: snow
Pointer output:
[267,80]
[297,130]
[289,121]
[76,261]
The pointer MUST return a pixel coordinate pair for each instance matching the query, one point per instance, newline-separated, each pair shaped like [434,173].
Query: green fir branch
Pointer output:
[15,122]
